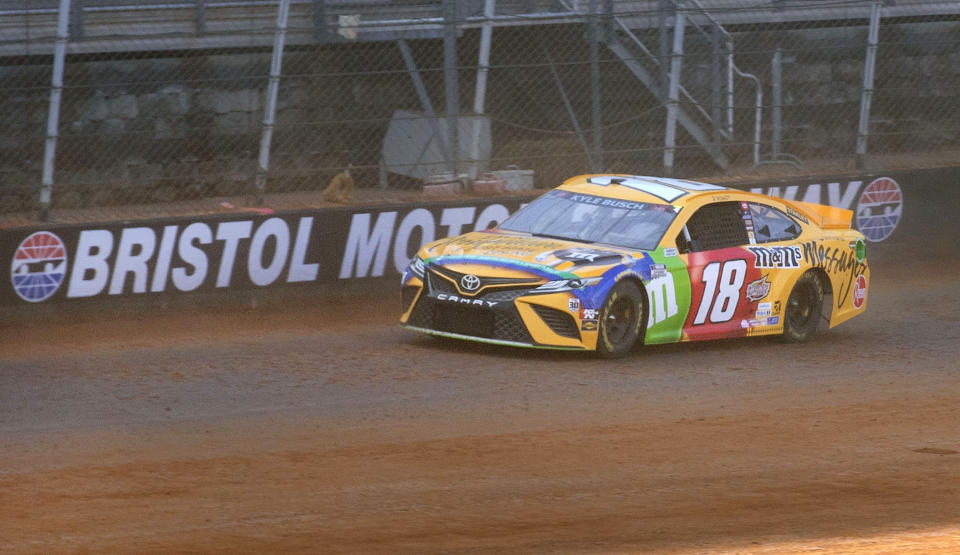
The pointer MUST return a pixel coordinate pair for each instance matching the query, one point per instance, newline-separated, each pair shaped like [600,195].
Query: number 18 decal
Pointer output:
[722,282]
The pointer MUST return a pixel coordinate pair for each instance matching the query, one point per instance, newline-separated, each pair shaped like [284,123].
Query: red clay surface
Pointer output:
[320,426]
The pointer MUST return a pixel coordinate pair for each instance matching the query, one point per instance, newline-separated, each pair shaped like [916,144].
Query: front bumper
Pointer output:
[504,315]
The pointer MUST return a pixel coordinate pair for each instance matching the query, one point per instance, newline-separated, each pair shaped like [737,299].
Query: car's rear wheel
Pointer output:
[804,306]
[621,320]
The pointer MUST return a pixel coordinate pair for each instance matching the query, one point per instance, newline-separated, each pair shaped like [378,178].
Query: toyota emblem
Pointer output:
[470,282]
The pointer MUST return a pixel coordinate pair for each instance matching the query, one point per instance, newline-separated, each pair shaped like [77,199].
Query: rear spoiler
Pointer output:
[827,217]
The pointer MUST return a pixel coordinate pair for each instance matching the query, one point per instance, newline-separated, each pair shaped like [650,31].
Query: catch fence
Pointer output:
[161,104]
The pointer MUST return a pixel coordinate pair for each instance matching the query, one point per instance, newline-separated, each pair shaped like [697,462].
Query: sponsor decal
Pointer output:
[859,291]
[573,304]
[764,310]
[760,321]
[658,271]
[589,325]
[662,299]
[793,212]
[758,289]
[586,256]
[860,250]
[776,257]
[879,209]
[669,252]
[589,313]
[463,300]
[835,260]
[39,266]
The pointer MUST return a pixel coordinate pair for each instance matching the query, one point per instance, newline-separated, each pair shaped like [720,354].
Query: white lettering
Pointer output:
[194,257]
[464,300]
[299,271]
[93,248]
[129,263]
[265,275]
[789,194]
[162,269]
[493,214]
[365,248]
[456,218]
[230,233]
[846,201]
[812,194]
[421,218]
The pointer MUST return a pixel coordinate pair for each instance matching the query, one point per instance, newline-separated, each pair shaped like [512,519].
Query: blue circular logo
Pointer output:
[39,266]
[879,209]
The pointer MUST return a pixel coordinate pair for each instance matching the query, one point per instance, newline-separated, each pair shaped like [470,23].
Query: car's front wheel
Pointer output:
[802,314]
[621,320]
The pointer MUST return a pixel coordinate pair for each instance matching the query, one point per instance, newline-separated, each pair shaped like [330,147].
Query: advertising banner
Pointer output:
[331,247]
[205,253]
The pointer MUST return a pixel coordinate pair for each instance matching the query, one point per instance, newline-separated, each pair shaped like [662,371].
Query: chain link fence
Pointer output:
[164,105]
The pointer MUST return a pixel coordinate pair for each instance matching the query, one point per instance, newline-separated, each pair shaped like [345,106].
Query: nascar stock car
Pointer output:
[604,262]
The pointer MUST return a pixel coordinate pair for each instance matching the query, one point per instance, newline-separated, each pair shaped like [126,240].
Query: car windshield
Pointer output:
[592,219]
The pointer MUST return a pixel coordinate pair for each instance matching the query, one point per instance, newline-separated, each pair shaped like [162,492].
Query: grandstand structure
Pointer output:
[714,91]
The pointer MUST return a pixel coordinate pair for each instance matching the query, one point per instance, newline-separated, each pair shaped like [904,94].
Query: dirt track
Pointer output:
[322,427]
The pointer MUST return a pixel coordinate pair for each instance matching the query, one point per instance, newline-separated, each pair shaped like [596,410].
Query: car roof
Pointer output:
[640,188]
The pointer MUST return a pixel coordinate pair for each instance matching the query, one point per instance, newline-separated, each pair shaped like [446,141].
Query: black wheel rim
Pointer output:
[800,305]
[620,317]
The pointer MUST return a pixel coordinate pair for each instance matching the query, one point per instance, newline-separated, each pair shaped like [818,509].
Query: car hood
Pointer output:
[499,246]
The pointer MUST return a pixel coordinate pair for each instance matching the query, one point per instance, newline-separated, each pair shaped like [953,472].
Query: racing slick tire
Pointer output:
[621,320]
[804,307]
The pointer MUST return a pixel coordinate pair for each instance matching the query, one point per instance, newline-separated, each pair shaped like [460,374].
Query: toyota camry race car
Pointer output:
[603,262]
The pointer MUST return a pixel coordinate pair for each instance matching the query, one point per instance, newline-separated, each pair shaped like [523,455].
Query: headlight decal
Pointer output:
[561,285]
[536,269]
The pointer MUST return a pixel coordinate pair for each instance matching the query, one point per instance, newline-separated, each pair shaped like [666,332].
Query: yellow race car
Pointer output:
[604,262]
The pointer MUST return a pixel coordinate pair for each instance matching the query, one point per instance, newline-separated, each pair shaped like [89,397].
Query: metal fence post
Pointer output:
[663,45]
[483,68]
[597,158]
[200,16]
[673,93]
[863,131]
[269,111]
[451,83]
[424,99]
[776,115]
[716,83]
[53,117]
